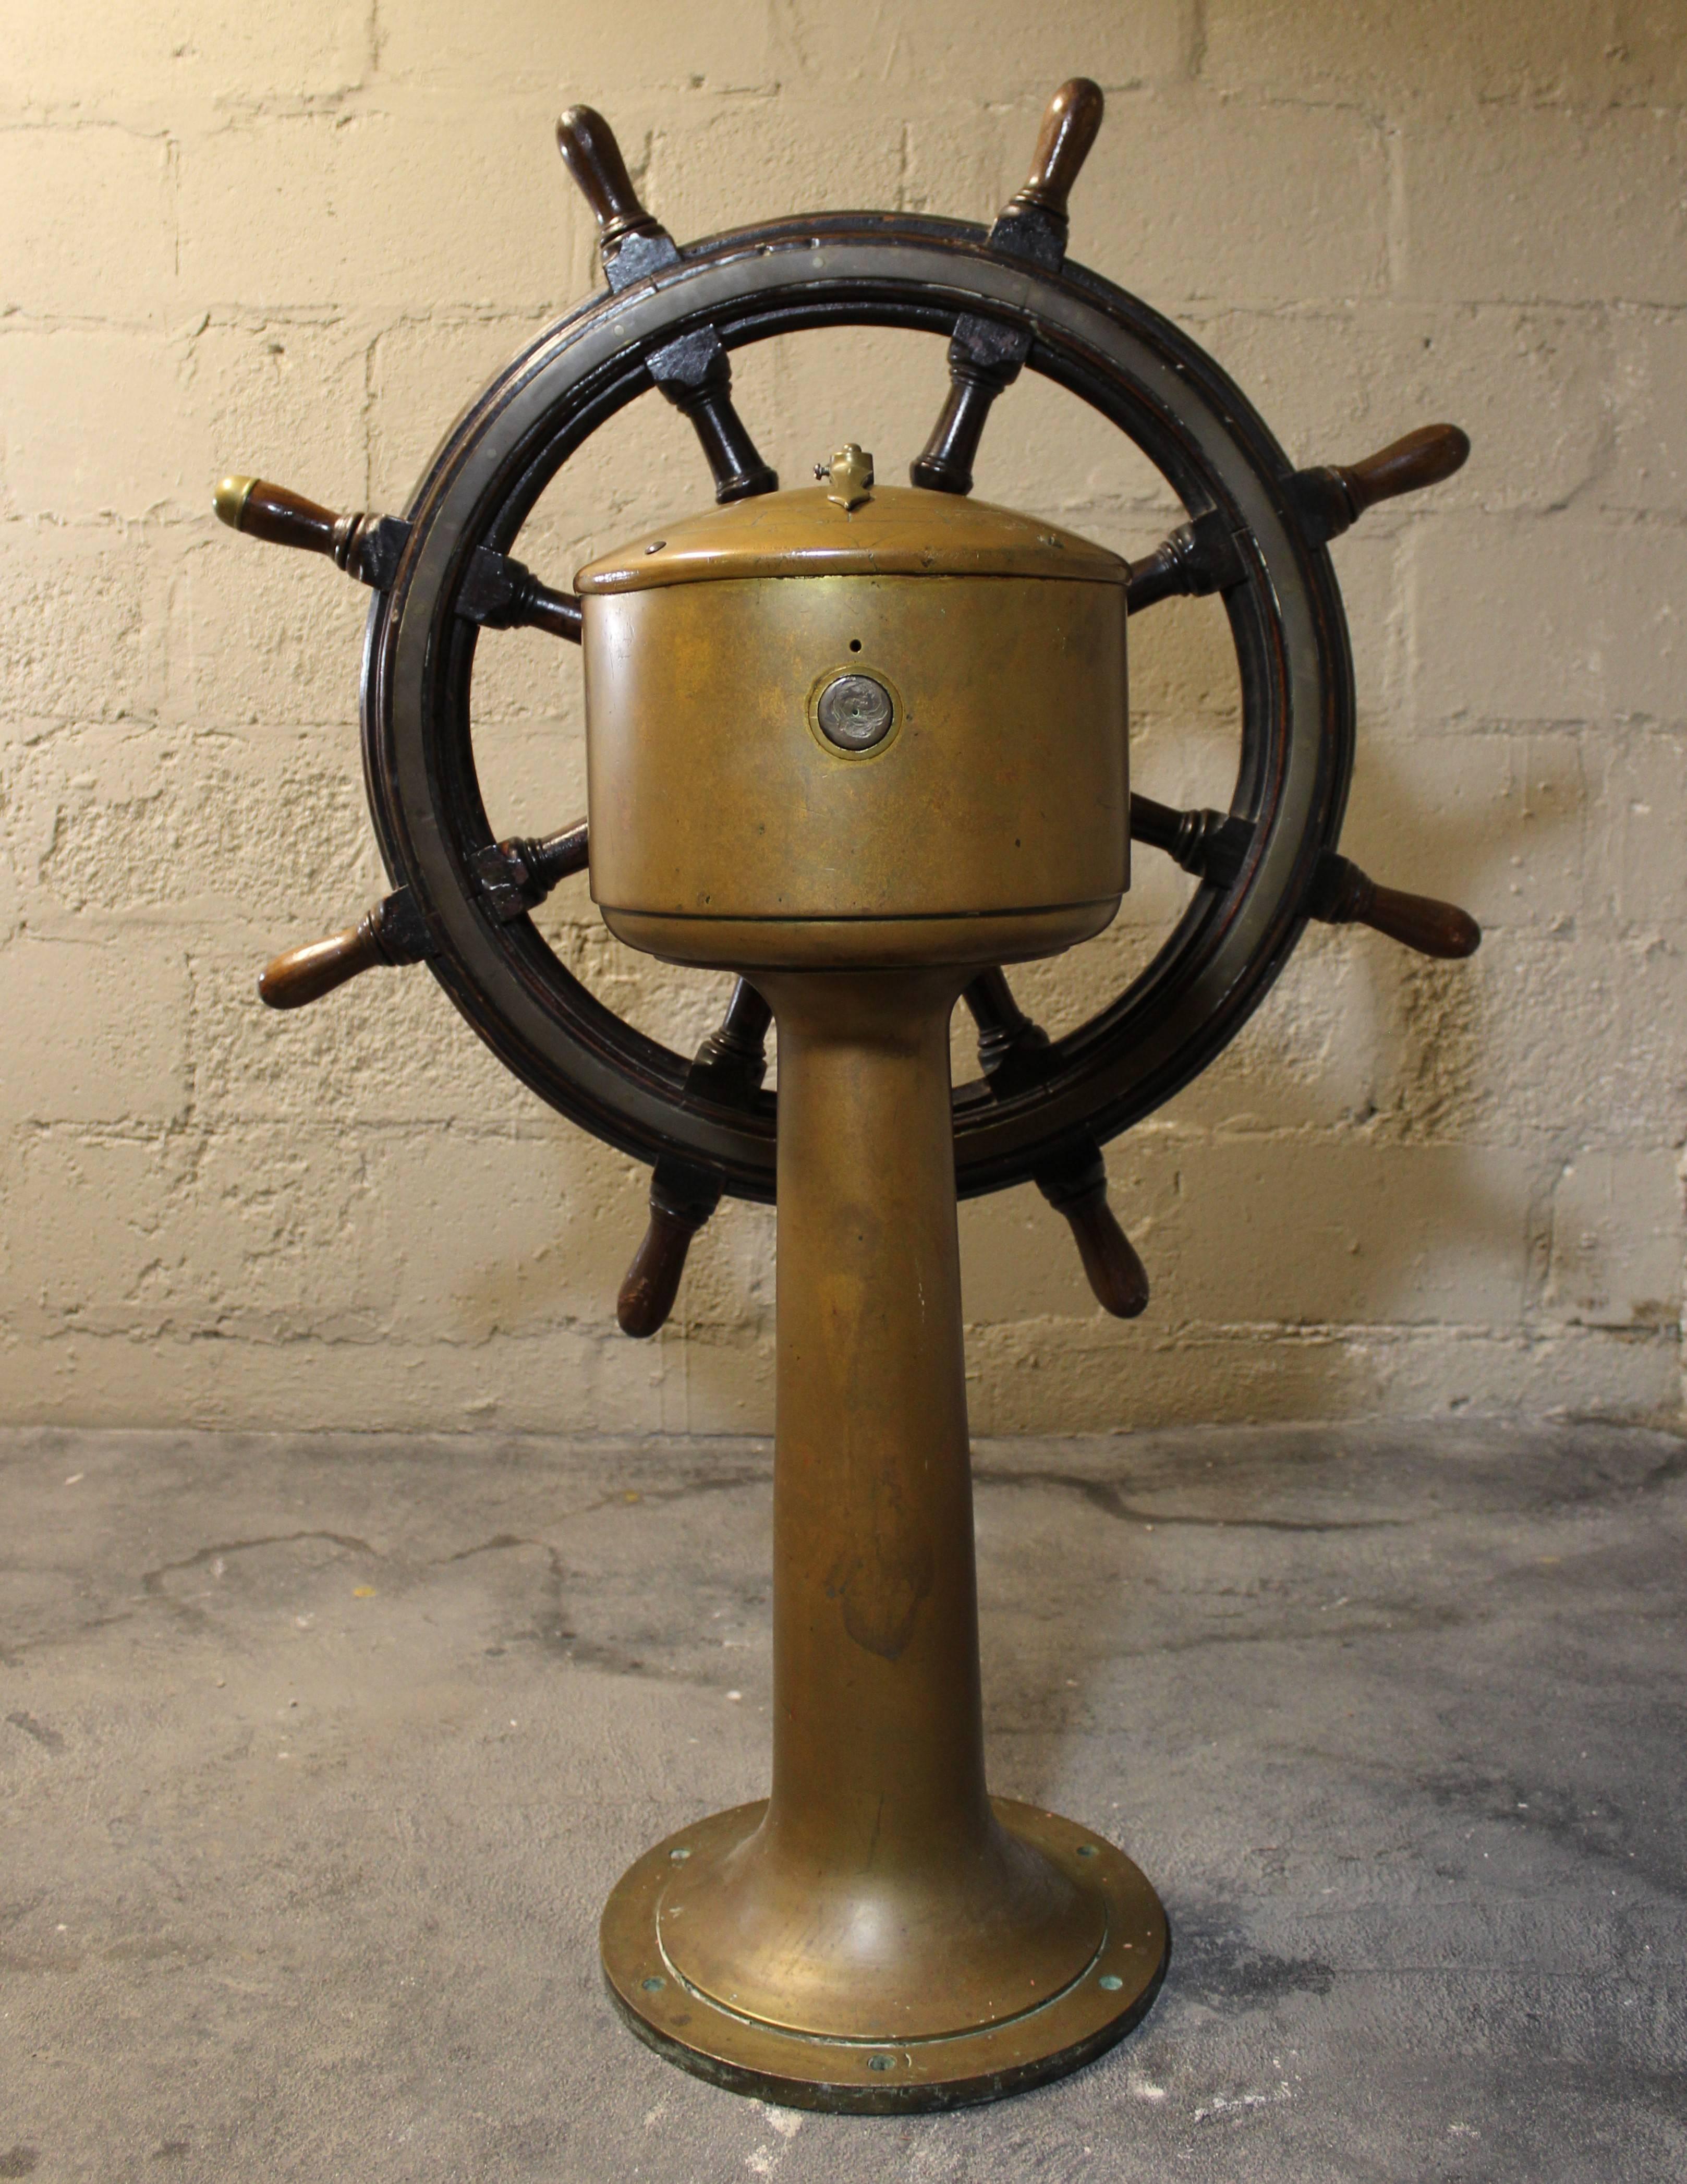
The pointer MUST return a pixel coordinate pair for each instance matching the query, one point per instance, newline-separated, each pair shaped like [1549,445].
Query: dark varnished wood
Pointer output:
[1290,641]
[1117,1275]
[1429,456]
[1008,1038]
[366,547]
[595,160]
[985,357]
[944,464]
[1015,1052]
[565,1044]
[1343,894]
[277,514]
[1213,845]
[392,932]
[1331,499]
[495,591]
[1071,123]
[500,593]
[1196,558]
[303,975]
[651,1285]
[516,875]
[1199,557]
[694,372]
[728,1067]
[731,1062]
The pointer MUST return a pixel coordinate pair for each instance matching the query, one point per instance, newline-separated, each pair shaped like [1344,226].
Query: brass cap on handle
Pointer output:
[283,517]
[229,500]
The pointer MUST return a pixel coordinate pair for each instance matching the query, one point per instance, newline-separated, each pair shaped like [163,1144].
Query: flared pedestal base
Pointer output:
[1056,2033]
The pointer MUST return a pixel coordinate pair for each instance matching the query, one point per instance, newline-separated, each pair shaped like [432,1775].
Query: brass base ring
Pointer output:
[866,2077]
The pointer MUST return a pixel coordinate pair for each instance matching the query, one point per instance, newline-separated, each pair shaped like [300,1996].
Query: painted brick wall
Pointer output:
[295,240]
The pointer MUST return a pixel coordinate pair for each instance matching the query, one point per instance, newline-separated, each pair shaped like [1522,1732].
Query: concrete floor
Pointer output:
[320,1755]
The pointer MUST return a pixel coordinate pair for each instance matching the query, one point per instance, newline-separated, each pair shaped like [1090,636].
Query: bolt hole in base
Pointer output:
[1002,2054]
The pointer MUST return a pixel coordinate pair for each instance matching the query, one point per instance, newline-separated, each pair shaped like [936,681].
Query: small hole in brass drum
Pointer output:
[854,644]
[1110,1981]
[1086,1850]
[652,1986]
[878,2062]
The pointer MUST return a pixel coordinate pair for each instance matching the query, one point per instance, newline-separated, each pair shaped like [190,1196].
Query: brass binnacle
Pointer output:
[855,745]
[880,1903]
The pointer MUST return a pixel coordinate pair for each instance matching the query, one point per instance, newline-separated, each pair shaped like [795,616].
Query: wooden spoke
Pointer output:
[392,932]
[1331,500]
[1214,845]
[729,1067]
[985,356]
[495,590]
[1015,1053]
[694,372]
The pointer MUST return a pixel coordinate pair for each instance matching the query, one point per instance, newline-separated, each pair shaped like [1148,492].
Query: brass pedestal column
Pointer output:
[879,1934]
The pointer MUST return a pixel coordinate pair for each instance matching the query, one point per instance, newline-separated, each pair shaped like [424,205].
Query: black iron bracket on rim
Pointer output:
[923,274]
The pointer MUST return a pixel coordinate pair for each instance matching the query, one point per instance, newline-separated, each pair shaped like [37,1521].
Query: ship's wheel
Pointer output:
[1009,301]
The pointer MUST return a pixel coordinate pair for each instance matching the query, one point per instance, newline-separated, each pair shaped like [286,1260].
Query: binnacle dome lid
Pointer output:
[894,531]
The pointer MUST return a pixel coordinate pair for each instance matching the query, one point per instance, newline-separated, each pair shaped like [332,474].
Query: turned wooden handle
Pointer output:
[1425,457]
[652,1280]
[272,512]
[1418,922]
[591,154]
[305,974]
[1070,123]
[1116,1274]
[1342,893]
[1075,1183]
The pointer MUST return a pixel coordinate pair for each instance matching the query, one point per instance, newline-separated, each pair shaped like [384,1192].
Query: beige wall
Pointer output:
[294,239]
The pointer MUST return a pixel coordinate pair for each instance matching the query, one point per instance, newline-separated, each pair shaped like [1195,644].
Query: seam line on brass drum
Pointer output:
[849,917]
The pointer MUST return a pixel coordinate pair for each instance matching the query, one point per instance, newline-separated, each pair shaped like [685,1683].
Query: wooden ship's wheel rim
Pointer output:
[1133,367]
[1008,301]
